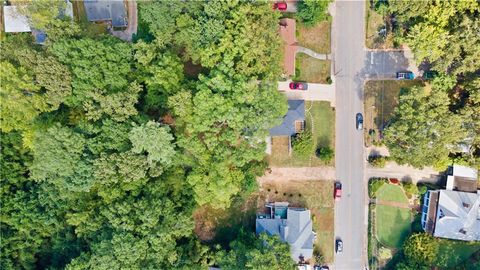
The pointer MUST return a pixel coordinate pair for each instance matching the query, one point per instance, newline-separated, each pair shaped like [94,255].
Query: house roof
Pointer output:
[296,230]
[288,33]
[14,22]
[296,112]
[458,215]
[107,10]
[463,171]
[462,178]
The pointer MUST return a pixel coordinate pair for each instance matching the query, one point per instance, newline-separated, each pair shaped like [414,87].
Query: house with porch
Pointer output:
[293,226]
[454,213]
[293,123]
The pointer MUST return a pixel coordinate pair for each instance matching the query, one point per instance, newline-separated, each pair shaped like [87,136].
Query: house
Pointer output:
[287,31]
[292,225]
[112,11]
[462,178]
[292,124]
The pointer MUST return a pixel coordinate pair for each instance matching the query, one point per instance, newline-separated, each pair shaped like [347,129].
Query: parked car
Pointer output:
[359,121]
[430,74]
[318,267]
[280,6]
[339,246]
[405,75]
[337,191]
[298,86]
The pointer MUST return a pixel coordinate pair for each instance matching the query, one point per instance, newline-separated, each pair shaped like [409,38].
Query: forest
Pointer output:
[108,146]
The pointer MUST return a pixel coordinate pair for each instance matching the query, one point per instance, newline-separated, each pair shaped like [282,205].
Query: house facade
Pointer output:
[292,225]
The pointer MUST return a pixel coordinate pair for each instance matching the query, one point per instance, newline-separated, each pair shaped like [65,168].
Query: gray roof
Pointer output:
[296,112]
[295,230]
[107,10]
[458,215]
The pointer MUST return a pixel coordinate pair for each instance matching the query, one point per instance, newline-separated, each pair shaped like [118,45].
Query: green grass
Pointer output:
[392,193]
[316,196]
[393,225]
[322,116]
[380,100]
[316,38]
[373,22]
[311,70]
[451,253]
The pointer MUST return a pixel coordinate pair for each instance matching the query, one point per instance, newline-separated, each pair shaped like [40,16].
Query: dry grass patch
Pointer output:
[316,38]
[311,70]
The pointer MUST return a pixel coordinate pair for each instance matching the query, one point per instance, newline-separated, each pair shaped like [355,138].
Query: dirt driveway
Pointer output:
[298,174]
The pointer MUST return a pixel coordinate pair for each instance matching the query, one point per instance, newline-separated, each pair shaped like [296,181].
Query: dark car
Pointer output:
[298,86]
[405,75]
[318,267]
[359,121]
[280,6]
[339,246]
[337,191]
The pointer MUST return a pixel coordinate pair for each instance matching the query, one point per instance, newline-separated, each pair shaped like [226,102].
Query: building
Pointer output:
[292,124]
[292,225]
[288,34]
[462,178]
[15,22]
[112,11]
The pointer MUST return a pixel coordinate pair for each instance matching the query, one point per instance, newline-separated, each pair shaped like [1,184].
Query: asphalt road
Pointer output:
[350,60]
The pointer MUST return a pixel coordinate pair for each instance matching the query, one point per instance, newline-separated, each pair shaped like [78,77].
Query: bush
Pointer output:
[302,144]
[325,153]
[311,12]
[410,189]
[318,256]
[385,253]
[377,161]
[374,184]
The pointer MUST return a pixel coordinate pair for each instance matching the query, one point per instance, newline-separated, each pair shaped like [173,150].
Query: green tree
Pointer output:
[421,249]
[154,139]
[325,153]
[40,13]
[311,12]
[440,131]
[251,252]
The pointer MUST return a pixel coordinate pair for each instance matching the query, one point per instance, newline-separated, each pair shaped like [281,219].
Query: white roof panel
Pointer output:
[463,171]
[13,21]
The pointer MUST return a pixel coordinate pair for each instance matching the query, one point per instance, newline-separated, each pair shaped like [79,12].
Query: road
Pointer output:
[350,211]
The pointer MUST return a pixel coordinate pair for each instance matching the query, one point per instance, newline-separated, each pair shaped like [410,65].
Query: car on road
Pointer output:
[298,86]
[405,75]
[318,267]
[280,6]
[337,191]
[359,121]
[339,246]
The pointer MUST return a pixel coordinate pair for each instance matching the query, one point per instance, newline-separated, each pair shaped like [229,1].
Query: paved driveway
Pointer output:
[315,92]
[385,64]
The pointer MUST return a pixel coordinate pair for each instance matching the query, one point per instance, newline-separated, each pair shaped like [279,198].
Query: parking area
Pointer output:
[314,92]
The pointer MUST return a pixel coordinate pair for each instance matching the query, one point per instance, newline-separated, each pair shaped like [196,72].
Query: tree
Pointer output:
[377,161]
[302,144]
[154,139]
[325,153]
[251,252]
[440,133]
[421,249]
[312,12]
[40,13]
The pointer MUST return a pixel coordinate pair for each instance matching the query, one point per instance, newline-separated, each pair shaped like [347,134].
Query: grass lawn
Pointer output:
[392,193]
[374,22]
[316,38]
[451,253]
[320,120]
[381,98]
[314,195]
[393,225]
[310,69]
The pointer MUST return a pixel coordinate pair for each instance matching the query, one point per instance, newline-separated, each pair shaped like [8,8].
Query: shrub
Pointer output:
[318,256]
[377,161]
[311,12]
[302,144]
[325,153]
[385,253]
[410,189]
[329,80]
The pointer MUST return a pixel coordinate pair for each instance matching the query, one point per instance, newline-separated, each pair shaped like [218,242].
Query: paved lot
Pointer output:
[315,92]
[350,211]
[385,64]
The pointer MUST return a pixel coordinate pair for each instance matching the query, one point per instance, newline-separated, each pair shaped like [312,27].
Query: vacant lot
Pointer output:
[381,98]
[311,70]
[314,195]
[451,253]
[316,38]
[320,121]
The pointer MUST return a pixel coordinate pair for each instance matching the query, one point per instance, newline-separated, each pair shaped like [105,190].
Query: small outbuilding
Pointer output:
[15,22]
[113,11]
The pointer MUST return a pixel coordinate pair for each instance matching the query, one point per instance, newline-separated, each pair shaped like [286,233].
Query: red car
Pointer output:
[280,6]
[298,86]
[338,191]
